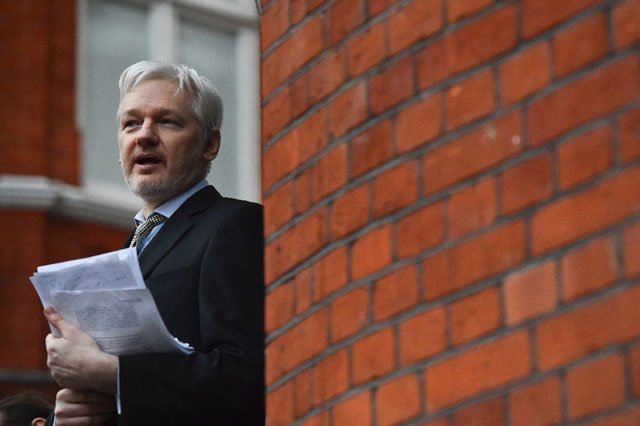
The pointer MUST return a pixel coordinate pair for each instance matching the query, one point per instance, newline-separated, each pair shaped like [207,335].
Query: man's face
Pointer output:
[161,150]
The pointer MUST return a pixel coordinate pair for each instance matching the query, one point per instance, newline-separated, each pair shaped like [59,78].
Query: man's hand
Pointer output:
[76,361]
[83,407]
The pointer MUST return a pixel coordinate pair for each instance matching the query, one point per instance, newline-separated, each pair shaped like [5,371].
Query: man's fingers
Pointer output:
[56,320]
[83,407]
[82,420]
[84,396]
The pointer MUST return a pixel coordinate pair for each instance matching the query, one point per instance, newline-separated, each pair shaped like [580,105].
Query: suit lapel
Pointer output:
[175,228]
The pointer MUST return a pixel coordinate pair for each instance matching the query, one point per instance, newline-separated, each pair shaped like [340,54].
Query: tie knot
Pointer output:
[144,229]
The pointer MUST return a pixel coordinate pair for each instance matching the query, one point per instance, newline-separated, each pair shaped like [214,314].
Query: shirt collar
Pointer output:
[169,207]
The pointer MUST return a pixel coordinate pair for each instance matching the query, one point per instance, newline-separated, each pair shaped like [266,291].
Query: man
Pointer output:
[24,409]
[203,265]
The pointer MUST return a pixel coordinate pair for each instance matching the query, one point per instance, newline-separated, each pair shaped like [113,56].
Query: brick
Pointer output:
[314,4]
[470,99]
[320,419]
[378,6]
[278,161]
[416,21]
[329,173]
[627,417]
[475,315]
[538,404]
[350,211]
[343,17]
[331,377]
[634,362]
[395,188]
[472,208]
[422,336]
[372,356]
[478,369]
[595,386]
[302,392]
[366,49]
[397,400]
[584,157]
[527,183]
[593,95]
[576,216]
[420,230]
[353,411]
[298,344]
[279,307]
[530,293]
[377,241]
[348,109]
[395,293]
[472,153]
[310,136]
[581,44]
[326,76]
[629,135]
[278,208]
[473,44]
[525,73]
[392,86]
[303,290]
[439,422]
[631,257]
[296,244]
[280,405]
[349,313]
[303,45]
[482,257]
[625,23]
[419,123]
[298,10]
[588,328]
[23,235]
[274,22]
[302,192]
[371,149]
[25,90]
[588,268]
[485,413]
[331,272]
[539,15]
[299,93]
[459,9]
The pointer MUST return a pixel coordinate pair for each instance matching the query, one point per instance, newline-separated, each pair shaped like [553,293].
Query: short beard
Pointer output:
[163,190]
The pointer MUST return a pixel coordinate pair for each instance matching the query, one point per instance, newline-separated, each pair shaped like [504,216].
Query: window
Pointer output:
[216,37]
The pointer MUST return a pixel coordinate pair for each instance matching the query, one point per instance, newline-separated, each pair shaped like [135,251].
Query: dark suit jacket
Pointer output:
[204,269]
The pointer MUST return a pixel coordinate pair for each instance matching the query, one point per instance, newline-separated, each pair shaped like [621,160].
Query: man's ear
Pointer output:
[212,145]
[38,421]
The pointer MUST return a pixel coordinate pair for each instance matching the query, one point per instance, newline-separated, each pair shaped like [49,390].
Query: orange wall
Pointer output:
[37,137]
[452,201]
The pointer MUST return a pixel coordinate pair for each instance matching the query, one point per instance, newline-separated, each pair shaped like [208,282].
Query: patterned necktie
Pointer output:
[145,228]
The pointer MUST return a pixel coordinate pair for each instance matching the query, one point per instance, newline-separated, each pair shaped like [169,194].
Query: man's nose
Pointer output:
[147,134]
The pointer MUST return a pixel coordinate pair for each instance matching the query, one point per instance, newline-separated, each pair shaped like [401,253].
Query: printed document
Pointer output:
[105,296]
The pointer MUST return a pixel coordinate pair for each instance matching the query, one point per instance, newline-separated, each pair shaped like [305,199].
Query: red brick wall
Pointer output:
[38,136]
[452,200]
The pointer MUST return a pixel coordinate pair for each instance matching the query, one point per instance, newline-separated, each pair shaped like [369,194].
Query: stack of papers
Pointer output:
[105,296]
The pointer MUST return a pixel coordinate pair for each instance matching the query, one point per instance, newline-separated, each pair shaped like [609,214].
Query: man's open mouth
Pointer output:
[145,159]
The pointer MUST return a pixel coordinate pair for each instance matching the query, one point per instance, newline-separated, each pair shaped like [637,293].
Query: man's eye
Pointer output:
[129,124]
[169,121]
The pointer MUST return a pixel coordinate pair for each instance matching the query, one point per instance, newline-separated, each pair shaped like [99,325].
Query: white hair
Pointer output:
[203,96]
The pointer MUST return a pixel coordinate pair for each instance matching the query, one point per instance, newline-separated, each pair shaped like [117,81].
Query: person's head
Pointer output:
[25,409]
[169,128]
